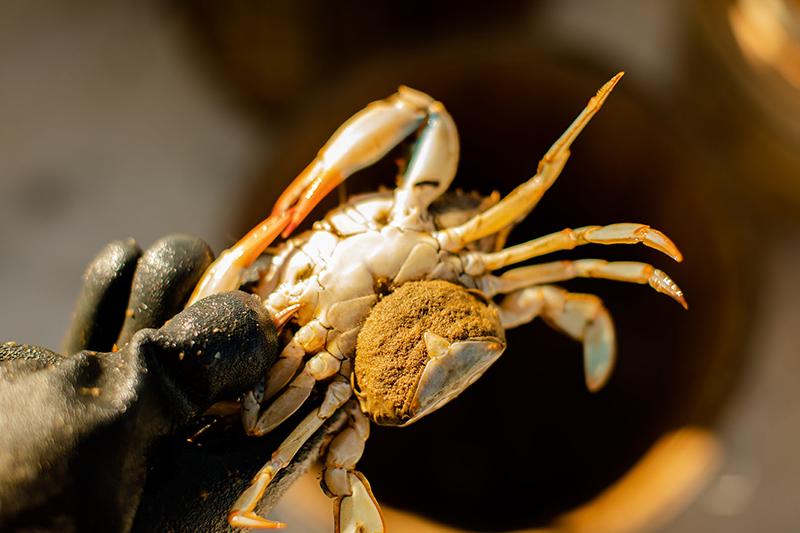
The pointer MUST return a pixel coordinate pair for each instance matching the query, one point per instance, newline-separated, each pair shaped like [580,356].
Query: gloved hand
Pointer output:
[77,432]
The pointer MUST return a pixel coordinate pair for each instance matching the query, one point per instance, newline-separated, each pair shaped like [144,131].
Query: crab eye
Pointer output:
[420,347]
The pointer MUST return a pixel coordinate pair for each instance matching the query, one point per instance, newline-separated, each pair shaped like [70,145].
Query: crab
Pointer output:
[325,283]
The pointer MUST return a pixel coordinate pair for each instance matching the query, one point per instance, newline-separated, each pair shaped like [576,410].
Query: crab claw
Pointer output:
[359,512]
[361,141]
[452,367]
[310,187]
[224,274]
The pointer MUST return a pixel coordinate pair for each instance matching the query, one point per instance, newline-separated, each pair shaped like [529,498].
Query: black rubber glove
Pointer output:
[77,430]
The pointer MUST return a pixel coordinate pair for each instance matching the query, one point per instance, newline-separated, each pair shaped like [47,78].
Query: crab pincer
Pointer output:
[360,142]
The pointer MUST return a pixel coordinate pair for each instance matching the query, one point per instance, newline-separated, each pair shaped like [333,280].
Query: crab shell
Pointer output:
[420,347]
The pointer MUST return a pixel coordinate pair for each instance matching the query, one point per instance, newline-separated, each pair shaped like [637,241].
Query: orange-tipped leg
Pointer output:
[243,513]
[627,271]
[568,239]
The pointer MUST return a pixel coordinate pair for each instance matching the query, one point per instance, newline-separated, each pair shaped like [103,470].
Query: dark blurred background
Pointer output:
[138,119]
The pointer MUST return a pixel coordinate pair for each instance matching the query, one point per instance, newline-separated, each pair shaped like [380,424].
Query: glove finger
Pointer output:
[165,278]
[100,308]
[18,360]
[215,349]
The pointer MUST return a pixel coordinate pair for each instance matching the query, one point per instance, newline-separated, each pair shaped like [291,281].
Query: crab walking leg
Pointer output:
[581,316]
[525,197]
[322,366]
[628,271]
[355,507]
[310,338]
[567,239]
[361,141]
[224,274]
[279,374]
[242,512]
[284,369]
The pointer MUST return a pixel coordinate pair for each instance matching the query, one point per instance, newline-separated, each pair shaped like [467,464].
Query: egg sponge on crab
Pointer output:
[420,337]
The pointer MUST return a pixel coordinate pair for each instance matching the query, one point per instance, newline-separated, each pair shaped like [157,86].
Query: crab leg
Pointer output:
[567,239]
[282,408]
[355,507]
[310,338]
[279,375]
[525,197]
[361,141]
[629,271]
[284,369]
[581,316]
[322,366]
[242,512]
[224,273]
